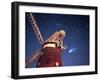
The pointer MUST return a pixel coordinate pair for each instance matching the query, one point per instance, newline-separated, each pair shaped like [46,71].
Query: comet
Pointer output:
[72,50]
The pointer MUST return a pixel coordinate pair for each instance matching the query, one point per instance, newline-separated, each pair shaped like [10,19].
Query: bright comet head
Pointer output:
[72,50]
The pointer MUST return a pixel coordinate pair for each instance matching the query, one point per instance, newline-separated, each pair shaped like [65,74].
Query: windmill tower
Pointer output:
[50,53]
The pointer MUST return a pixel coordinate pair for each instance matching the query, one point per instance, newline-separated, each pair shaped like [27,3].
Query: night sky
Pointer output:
[77,36]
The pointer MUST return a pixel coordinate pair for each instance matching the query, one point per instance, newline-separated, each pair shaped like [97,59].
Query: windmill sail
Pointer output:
[35,56]
[36,29]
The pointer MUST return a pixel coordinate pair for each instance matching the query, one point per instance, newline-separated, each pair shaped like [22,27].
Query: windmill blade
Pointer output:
[34,56]
[36,28]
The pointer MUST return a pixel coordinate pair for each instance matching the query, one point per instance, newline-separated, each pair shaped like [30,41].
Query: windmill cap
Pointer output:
[62,32]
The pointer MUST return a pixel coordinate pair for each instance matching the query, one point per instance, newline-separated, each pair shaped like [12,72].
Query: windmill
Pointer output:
[39,53]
